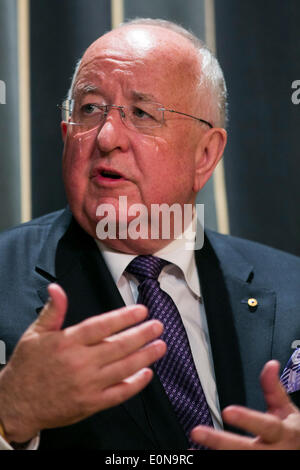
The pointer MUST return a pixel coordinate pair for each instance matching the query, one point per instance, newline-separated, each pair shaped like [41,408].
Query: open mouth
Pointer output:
[106,175]
[110,175]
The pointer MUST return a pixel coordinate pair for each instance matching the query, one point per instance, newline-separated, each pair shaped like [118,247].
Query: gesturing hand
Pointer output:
[278,428]
[57,377]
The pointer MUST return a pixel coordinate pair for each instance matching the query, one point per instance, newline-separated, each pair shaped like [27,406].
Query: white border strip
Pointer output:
[219,174]
[117,13]
[24,108]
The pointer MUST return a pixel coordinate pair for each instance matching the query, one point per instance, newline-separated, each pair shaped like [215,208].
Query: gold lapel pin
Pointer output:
[252,302]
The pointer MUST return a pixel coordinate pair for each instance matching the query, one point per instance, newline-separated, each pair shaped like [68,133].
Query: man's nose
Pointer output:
[113,133]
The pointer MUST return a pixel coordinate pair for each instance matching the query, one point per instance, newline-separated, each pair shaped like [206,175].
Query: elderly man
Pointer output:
[144,121]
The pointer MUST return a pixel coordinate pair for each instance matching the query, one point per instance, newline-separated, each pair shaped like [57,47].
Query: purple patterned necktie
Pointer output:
[176,369]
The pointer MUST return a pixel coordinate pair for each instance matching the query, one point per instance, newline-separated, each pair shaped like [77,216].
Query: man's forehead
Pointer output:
[150,56]
[163,63]
[141,43]
[105,74]
[126,42]
[84,87]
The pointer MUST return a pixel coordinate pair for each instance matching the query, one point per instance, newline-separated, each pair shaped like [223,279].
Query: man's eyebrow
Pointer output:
[85,88]
[139,96]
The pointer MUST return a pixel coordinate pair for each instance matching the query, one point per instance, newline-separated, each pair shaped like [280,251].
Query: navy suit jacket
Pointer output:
[243,339]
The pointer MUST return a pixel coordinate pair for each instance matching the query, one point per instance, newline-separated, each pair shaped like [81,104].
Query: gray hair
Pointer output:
[212,76]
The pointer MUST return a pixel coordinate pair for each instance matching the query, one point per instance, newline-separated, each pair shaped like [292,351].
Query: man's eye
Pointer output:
[89,108]
[140,113]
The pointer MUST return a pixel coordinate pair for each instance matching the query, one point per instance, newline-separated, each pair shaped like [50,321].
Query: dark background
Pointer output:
[258,46]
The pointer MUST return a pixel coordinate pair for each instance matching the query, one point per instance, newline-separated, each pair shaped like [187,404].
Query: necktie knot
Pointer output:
[146,267]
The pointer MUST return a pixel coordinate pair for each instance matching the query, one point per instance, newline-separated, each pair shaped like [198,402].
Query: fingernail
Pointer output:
[199,434]
[230,413]
[140,311]
[160,346]
[157,328]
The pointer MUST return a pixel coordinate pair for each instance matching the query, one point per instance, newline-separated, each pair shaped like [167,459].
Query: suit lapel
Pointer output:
[80,269]
[227,282]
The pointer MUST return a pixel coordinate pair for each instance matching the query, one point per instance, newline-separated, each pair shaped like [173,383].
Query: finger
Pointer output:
[125,389]
[96,328]
[120,345]
[268,427]
[277,400]
[222,440]
[120,370]
[53,314]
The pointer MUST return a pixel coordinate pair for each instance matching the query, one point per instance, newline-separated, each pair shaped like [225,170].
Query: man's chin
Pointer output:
[138,247]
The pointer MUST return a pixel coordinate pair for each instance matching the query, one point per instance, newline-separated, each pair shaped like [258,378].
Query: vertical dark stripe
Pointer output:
[61,30]
[189,14]
[258,46]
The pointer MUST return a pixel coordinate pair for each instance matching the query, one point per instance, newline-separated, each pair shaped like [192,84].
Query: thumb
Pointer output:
[53,314]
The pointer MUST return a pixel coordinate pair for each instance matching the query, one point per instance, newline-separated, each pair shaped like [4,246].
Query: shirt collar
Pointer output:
[175,252]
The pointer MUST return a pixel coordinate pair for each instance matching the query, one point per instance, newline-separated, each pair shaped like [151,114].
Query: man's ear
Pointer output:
[208,154]
[64,129]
